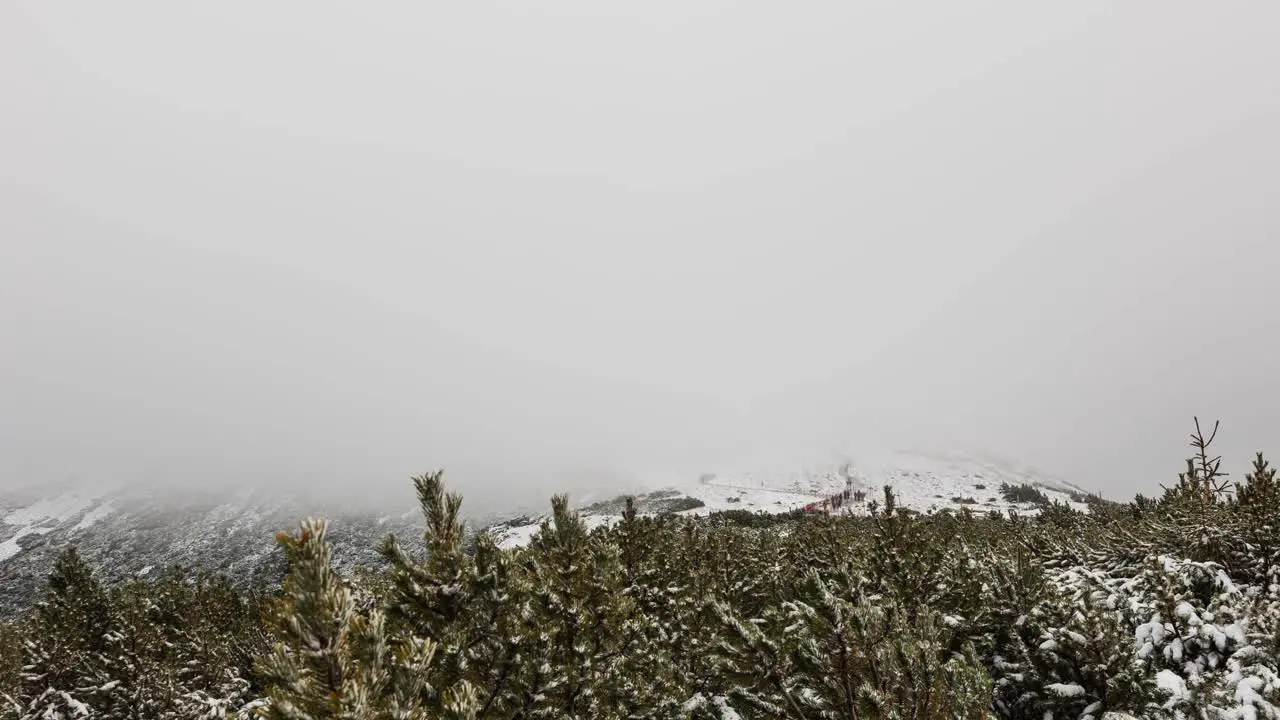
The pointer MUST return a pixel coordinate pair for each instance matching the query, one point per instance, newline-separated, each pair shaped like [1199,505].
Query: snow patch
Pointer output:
[41,517]
[1172,683]
[94,516]
[1066,689]
[50,511]
[10,547]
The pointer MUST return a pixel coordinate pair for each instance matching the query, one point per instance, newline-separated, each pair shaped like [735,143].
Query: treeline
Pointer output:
[1162,607]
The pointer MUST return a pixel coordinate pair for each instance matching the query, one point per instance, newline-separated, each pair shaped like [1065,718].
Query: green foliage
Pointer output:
[1023,493]
[11,635]
[835,651]
[173,648]
[475,605]
[1056,614]
[676,505]
[336,661]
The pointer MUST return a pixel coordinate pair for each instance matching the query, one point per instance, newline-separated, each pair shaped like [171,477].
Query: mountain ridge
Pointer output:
[127,531]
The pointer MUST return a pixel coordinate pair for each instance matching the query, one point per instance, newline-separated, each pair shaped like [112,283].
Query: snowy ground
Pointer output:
[45,516]
[924,483]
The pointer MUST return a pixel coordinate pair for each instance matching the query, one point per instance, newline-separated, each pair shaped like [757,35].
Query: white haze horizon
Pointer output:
[309,245]
[530,491]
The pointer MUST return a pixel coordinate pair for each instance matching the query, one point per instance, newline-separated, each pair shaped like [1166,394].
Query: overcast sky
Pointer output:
[350,242]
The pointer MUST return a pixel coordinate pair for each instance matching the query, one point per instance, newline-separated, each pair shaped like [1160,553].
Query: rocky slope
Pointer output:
[132,532]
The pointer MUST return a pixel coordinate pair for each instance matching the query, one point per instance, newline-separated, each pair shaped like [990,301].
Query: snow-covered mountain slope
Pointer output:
[130,532]
[923,482]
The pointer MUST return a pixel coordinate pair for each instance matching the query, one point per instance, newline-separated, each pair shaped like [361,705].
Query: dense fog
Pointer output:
[335,247]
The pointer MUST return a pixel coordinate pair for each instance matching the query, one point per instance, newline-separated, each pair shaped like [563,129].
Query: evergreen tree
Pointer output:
[335,662]
[579,608]
[835,652]
[475,605]
[11,634]
[1260,491]
[69,635]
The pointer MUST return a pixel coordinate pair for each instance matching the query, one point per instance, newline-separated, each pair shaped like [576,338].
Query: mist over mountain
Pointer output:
[463,245]
[135,529]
